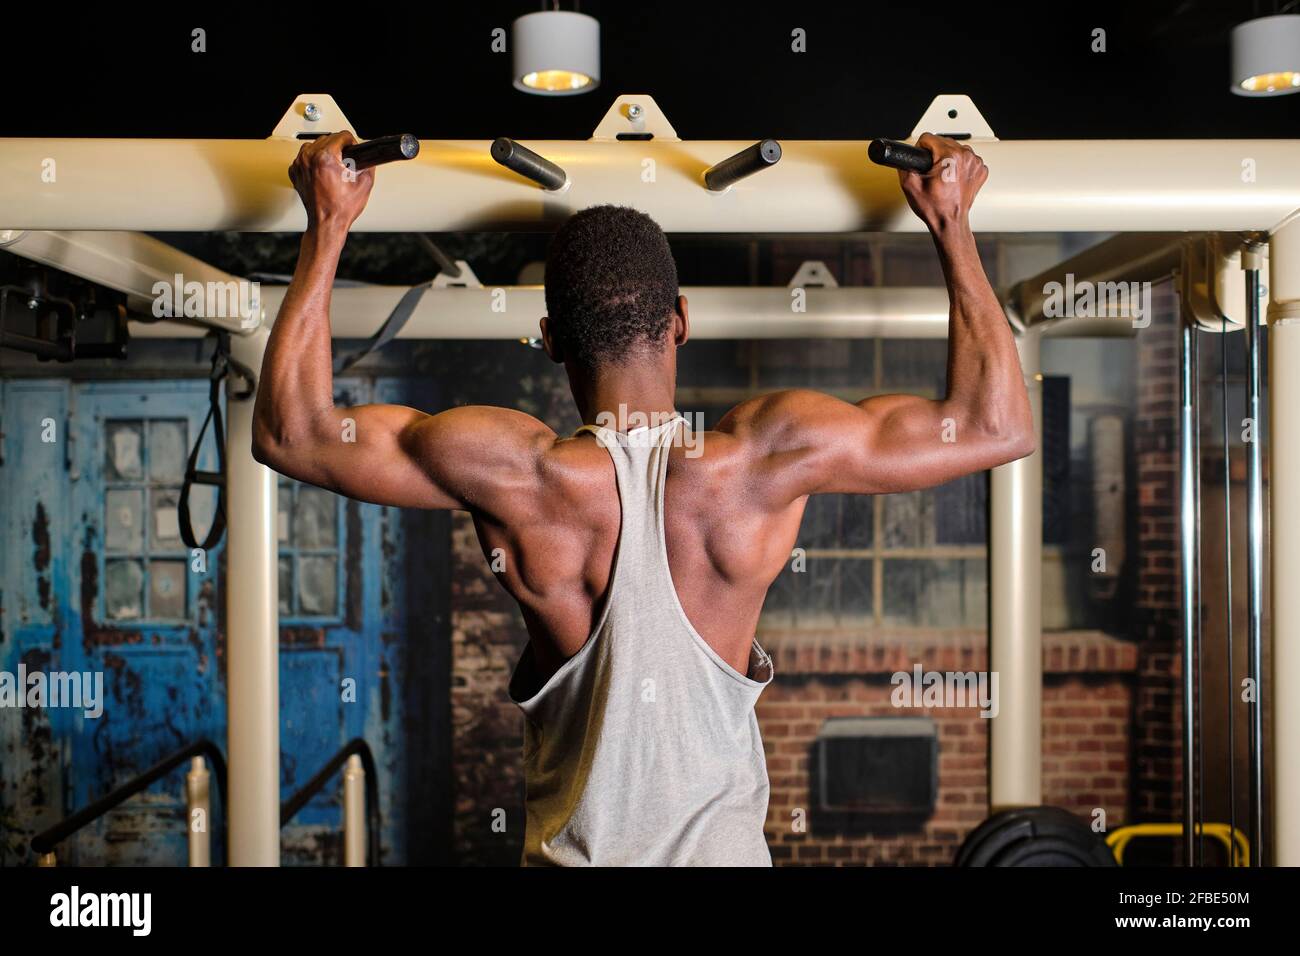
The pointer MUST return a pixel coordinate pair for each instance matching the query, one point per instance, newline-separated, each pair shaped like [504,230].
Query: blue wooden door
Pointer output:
[94,579]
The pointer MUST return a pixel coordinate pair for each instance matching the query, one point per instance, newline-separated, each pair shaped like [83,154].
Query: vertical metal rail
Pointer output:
[354,812]
[1254,557]
[1016,609]
[1199,729]
[253,642]
[1187,546]
[1227,597]
[198,816]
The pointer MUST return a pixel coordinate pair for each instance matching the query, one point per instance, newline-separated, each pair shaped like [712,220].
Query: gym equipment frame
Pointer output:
[1218,228]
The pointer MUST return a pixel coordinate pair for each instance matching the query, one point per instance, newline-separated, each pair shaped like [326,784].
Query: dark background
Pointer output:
[719,70]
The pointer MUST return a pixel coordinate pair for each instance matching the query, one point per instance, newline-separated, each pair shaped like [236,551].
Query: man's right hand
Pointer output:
[332,192]
[943,196]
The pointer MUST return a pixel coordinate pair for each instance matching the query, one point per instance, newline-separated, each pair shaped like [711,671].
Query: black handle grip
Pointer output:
[528,164]
[748,161]
[385,149]
[888,152]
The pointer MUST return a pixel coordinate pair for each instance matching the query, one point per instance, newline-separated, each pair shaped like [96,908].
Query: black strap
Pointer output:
[400,315]
[222,366]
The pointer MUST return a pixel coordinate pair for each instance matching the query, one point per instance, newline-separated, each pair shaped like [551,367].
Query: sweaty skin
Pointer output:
[550,502]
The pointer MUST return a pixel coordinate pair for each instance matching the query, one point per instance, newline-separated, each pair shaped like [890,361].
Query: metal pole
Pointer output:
[1199,820]
[354,812]
[198,805]
[1016,611]
[1227,598]
[252,614]
[1187,545]
[1250,260]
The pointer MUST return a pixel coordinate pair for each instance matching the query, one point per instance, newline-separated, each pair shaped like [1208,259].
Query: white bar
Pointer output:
[1016,611]
[1284,538]
[252,615]
[453,185]
[354,813]
[198,801]
[129,262]
[717,312]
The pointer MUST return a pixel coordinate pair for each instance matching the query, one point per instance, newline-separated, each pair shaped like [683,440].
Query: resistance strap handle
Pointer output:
[398,318]
[222,364]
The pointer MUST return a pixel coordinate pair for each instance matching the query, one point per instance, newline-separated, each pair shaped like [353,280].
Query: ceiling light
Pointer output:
[556,53]
[1266,56]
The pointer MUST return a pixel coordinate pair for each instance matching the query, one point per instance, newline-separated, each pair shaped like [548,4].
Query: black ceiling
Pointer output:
[718,70]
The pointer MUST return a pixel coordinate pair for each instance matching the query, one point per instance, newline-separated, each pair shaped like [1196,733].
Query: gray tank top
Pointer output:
[643,748]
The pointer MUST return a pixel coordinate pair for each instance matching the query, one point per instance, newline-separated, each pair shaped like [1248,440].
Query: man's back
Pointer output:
[642,747]
[724,548]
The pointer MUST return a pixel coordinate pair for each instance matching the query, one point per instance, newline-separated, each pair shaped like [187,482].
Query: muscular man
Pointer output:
[639,557]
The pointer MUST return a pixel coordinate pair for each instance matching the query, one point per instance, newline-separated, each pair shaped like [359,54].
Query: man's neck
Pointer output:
[626,398]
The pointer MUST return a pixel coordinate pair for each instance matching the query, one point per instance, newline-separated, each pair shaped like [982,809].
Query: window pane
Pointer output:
[123,589]
[317,585]
[315,518]
[855,589]
[168,450]
[167,589]
[961,509]
[837,521]
[857,525]
[124,520]
[165,528]
[123,449]
[815,363]
[935,593]
[914,365]
[908,520]
[286,585]
[285,509]
[820,527]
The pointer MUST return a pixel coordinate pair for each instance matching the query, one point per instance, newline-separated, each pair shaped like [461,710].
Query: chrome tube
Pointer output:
[1187,546]
[1255,567]
[1227,597]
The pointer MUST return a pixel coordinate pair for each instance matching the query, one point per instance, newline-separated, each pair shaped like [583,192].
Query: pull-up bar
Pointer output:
[823,187]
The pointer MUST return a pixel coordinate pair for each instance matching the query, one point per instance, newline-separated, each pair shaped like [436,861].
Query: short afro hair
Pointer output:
[611,285]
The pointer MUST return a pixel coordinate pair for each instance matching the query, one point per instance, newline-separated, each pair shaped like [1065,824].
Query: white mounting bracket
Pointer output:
[635,116]
[312,113]
[466,280]
[813,274]
[955,115]
[1212,285]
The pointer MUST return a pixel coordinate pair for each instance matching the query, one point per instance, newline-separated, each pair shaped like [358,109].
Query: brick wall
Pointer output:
[487,635]
[1087,715]
[1157,781]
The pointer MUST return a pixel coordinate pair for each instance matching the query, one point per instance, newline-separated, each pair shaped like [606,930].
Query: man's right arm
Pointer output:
[478,458]
[806,442]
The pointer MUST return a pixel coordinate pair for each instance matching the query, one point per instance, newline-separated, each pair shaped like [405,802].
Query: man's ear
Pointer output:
[681,322]
[549,343]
